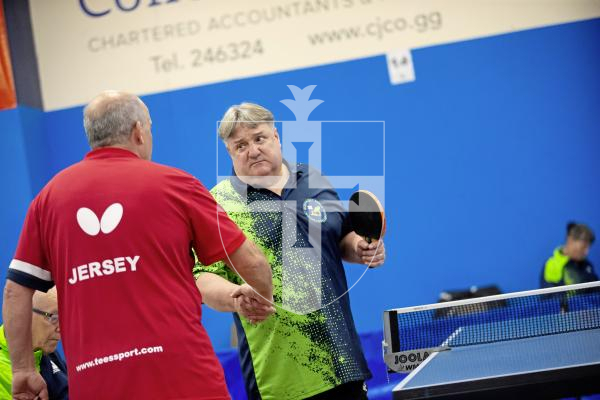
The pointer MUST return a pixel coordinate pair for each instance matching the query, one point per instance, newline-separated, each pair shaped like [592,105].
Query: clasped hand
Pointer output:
[251,305]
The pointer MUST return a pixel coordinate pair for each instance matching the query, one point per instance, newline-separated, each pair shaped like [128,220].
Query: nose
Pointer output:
[253,150]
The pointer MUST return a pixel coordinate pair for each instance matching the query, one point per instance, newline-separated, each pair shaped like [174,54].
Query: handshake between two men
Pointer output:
[253,300]
[249,304]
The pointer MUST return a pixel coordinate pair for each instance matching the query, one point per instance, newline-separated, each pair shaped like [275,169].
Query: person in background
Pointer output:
[45,333]
[569,264]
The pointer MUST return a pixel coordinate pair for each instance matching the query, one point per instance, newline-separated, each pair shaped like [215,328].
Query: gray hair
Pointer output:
[247,115]
[109,118]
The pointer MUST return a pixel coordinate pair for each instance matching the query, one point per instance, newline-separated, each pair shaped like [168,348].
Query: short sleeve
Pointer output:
[329,193]
[215,234]
[29,266]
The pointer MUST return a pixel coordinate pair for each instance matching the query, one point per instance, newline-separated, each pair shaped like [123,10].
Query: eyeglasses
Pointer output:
[51,317]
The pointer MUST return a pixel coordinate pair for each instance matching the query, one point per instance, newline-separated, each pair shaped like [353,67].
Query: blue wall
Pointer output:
[488,154]
[21,161]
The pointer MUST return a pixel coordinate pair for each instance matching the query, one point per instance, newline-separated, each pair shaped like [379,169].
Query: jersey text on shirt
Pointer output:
[106,267]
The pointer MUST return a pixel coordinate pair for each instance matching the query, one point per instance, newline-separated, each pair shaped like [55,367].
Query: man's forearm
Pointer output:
[250,263]
[216,291]
[16,313]
[261,280]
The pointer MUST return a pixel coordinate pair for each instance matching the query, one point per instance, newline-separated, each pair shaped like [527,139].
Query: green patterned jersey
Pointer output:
[310,344]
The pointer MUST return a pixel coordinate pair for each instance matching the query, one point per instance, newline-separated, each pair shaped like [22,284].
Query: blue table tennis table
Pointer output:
[548,366]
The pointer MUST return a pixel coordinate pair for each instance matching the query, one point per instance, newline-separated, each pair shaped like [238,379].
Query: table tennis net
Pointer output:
[495,318]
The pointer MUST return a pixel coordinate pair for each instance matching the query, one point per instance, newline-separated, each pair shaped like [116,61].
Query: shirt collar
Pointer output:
[295,171]
[110,152]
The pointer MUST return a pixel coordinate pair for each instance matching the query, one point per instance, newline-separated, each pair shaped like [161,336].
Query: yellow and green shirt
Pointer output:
[561,270]
[295,354]
[5,367]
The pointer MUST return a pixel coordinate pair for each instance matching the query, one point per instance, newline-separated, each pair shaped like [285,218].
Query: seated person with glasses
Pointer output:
[45,332]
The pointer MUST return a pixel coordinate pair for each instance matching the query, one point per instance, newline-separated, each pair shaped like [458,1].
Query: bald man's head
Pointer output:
[45,331]
[43,300]
[111,116]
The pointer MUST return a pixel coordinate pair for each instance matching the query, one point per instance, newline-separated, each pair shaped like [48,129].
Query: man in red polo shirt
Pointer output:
[114,233]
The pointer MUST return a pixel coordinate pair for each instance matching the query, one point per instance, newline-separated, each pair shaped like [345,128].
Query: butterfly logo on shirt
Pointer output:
[92,225]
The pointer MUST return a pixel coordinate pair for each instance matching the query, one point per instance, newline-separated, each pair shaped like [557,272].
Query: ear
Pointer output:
[276,134]
[137,133]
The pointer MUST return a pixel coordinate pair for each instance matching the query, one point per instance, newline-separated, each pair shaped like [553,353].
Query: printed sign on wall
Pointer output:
[149,46]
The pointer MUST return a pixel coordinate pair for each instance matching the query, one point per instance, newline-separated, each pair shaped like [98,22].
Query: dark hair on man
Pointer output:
[579,231]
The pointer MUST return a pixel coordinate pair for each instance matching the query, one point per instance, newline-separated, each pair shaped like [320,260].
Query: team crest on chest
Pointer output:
[314,210]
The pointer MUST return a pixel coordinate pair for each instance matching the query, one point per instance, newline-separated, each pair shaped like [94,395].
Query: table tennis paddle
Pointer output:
[367,216]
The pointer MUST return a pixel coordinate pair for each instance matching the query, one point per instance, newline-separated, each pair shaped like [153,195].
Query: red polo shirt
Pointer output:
[114,232]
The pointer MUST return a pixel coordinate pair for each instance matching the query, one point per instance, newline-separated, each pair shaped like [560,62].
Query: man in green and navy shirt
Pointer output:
[309,348]
[569,264]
